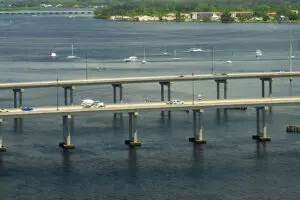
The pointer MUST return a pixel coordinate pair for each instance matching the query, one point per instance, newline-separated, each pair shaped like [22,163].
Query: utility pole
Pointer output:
[212,60]
[86,73]
[193,89]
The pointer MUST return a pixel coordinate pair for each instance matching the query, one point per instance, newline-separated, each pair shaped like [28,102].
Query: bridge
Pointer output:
[117,83]
[197,107]
[48,12]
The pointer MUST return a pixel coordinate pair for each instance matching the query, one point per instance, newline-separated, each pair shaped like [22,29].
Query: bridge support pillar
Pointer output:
[67,130]
[261,135]
[270,80]
[115,86]
[133,138]
[69,100]
[2,148]
[162,94]
[18,102]
[197,128]
[224,81]
[70,90]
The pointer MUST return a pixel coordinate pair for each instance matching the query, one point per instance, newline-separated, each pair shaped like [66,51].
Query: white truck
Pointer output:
[89,103]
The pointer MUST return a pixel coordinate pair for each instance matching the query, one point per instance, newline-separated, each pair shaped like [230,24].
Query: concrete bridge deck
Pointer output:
[154,106]
[149,79]
[197,108]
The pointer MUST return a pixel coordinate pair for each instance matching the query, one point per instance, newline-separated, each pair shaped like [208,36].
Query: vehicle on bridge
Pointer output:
[199,97]
[27,108]
[89,103]
[131,59]
[175,101]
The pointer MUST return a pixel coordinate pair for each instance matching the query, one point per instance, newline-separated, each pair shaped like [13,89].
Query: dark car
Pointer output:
[27,108]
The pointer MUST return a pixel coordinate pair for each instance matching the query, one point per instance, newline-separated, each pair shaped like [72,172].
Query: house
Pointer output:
[147,18]
[169,17]
[294,11]
[235,14]
[201,15]
[272,14]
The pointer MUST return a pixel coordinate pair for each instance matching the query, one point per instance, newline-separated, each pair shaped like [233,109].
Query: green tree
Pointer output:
[266,18]
[226,18]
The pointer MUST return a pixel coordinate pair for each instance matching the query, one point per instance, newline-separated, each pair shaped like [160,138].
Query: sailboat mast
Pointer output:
[72,49]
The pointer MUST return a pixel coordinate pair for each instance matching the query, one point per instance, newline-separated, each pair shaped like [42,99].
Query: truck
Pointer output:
[89,103]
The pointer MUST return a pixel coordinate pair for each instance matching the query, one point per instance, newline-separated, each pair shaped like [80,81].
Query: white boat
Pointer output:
[72,56]
[258,53]
[144,61]
[195,50]
[228,62]
[53,55]
[131,59]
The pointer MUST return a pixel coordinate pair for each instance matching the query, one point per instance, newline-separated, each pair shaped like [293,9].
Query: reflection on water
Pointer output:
[166,121]
[221,116]
[66,162]
[198,153]
[118,123]
[132,160]
[1,164]
[261,150]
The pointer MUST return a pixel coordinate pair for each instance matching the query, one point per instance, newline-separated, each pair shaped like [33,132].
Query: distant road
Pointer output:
[149,79]
[50,12]
[151,106]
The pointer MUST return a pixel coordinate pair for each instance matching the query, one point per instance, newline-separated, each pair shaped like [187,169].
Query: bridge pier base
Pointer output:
[270,80]
[162,95]
[261,135]
[197,128]
[2,148]
[67,129]
[18,102]
[133,138]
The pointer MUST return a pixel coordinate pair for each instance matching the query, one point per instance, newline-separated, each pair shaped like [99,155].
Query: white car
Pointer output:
[175,101]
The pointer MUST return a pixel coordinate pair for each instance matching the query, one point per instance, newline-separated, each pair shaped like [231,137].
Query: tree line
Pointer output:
[162,7]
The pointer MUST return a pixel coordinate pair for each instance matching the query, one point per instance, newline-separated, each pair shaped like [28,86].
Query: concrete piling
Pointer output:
[261,135]
[133,136]
[67,130]
[197,128]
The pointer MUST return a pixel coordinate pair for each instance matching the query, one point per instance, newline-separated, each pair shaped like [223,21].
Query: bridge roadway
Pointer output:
[197,108]
[151,106]
[195,77]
